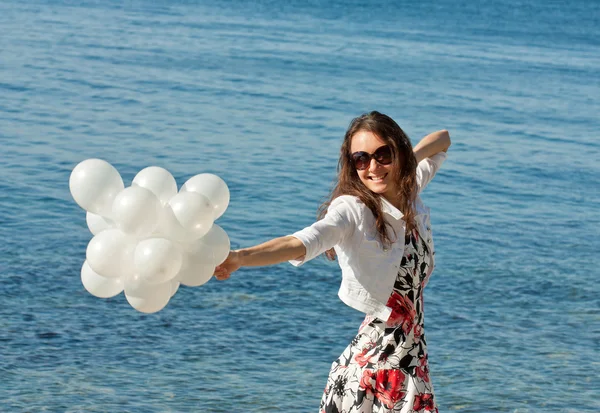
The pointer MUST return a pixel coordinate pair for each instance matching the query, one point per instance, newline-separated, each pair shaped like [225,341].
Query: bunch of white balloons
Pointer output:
[149,238]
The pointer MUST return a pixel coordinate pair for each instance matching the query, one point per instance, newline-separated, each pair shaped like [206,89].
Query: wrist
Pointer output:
[239,256]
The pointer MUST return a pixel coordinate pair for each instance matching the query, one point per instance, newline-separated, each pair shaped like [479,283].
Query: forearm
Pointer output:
[431,144]
[272,252]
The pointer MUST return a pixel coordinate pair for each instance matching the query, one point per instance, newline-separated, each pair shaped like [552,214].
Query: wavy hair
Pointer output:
[404,174]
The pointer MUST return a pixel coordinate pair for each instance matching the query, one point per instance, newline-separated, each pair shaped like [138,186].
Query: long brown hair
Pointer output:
[404,174]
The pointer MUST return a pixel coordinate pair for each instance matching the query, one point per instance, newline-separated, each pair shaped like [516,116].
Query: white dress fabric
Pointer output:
[385,369]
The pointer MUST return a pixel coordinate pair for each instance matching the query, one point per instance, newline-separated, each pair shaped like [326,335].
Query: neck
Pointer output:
[395,201]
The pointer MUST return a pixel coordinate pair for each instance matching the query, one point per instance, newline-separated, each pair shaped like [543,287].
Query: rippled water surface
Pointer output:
[260,93]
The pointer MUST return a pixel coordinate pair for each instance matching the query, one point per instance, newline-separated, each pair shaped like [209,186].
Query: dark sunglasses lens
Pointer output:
[383,155]
[361,160]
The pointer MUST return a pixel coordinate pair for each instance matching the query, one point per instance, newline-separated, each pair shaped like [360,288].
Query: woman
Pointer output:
[379,230]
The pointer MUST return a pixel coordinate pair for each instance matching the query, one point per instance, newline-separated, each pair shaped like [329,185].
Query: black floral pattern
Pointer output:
[384,369]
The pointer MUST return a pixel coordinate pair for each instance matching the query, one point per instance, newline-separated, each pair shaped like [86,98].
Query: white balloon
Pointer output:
[97,223]
[193,212]
[110,253]
[145,297]
[195,271]
[94,183]
[136,211]
[159,181]
[174,287]
[169,227]
[214,246]
[211,186]
[157,260]
[98,285]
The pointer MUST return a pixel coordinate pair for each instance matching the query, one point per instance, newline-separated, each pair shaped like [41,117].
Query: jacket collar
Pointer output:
[388,208]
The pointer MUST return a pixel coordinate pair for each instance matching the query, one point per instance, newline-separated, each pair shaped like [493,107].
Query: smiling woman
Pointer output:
[376,172]
[377,226]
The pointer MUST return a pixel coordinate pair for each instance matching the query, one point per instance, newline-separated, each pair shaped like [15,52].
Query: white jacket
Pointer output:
[368,269]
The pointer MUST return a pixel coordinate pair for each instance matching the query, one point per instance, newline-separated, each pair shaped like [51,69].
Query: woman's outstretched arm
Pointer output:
[431,144]
[271,252]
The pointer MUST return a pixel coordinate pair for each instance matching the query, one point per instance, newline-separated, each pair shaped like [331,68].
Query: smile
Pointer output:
[378,178]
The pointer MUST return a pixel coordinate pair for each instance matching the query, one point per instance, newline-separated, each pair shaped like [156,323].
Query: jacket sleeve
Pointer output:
[337,225]
[428,167]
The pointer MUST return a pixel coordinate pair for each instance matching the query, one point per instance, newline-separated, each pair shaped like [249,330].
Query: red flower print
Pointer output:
[422,369]
[388,387]
[361,358]
[424,401]
[417,333]
[403,312]
[367,380]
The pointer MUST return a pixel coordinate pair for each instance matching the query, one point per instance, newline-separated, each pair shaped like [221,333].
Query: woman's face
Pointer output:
[376,177]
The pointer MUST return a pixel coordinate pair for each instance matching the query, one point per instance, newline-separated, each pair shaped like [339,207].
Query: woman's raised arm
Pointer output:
[431,144]
[271,252]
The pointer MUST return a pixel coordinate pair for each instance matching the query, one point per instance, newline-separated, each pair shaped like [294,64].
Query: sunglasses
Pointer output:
[362,160]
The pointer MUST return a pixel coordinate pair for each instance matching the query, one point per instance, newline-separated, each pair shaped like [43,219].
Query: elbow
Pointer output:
[446,139]
[297,249]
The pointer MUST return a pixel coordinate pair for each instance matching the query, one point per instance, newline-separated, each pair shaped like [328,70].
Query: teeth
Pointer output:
[377,178]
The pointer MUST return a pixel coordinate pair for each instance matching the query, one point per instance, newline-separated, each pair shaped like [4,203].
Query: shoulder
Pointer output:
[348,205]
[349,200]
[420,206]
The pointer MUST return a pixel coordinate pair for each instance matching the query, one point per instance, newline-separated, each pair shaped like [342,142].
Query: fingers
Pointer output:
[221,273]
[222,277]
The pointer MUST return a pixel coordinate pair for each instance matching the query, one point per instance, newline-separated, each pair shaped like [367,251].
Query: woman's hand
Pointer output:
[231,264]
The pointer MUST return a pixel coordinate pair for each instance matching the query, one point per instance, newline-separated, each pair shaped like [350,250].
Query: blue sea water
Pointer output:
[260,93]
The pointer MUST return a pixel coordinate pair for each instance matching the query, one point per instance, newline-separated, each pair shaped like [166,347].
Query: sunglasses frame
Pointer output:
[355,157]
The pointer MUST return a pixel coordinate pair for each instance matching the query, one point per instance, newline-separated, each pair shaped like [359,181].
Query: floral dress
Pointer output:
[384,369]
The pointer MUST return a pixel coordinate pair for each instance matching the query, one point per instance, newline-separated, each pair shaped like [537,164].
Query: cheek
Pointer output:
[391,169]
[362,175]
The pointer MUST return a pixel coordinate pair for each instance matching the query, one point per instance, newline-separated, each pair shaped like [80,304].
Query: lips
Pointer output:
[377,178]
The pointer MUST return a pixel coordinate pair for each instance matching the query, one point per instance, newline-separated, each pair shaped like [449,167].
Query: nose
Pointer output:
[373,165]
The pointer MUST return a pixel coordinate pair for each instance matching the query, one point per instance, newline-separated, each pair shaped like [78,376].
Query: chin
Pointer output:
[380,190]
